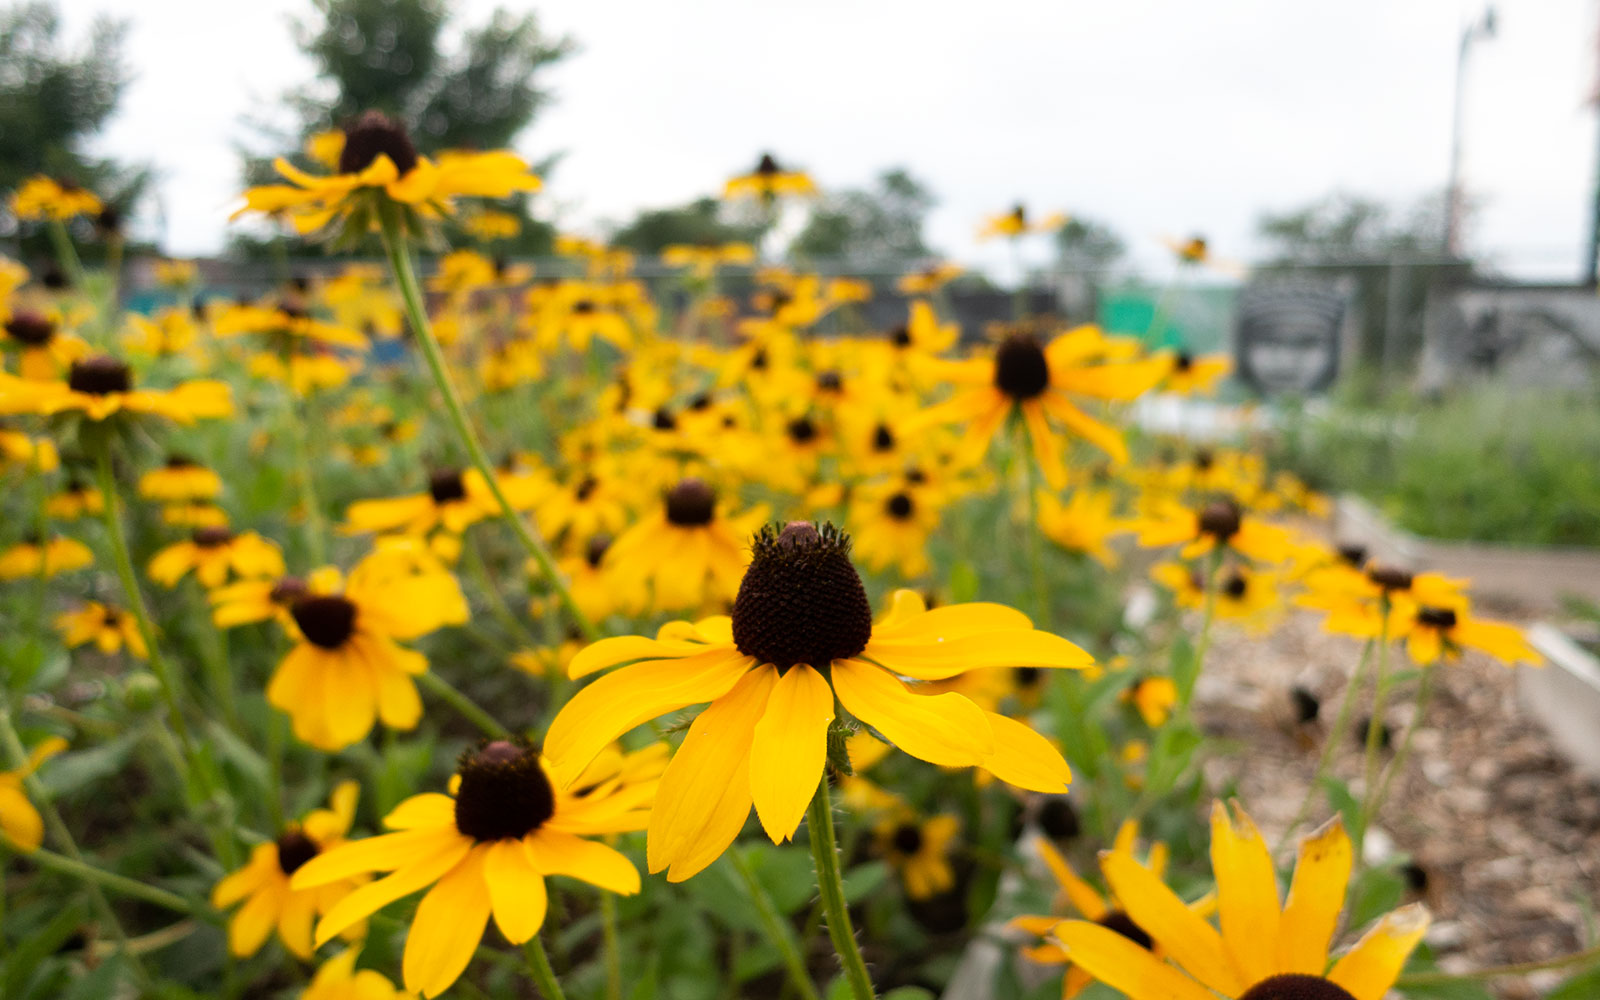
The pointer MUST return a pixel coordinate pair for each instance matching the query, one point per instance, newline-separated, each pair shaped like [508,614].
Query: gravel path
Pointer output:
[1506,833]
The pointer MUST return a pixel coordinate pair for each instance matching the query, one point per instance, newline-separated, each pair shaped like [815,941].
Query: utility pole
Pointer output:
[1591,267]
[1484,28]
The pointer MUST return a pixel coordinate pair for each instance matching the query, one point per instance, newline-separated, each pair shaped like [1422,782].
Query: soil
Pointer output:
[1506,832]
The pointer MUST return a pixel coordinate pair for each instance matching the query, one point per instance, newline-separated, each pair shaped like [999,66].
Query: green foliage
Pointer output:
[880,223]
[699,223]
[1088,245]
[1488,464]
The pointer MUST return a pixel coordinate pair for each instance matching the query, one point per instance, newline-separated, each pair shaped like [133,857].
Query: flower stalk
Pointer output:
[825,853]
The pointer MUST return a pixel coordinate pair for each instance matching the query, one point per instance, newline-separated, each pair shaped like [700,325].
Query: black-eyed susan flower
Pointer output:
[1194,250]
[245,602]
[890,524]
[1265,950]
[108,628]
[180,480]
[75,500]
[40,197]
[213,554]
[703,261]
[378,165]
[1437,632]
[1153,698]
[1041,382]
[1194,376]
[339,979]
[348,670]
[47,557]
[18,448]
[1017,223]
[919,853]
[286,327]
[597,591]
[1243,594]
[263,883]
[801,633]
[1221,524]
[769,181]
[1357,601]
[102,387]
[486,849]
[928,280]
[20,822]
[690,550]
[1085,523]
[44,350]
[455,500]
[1075,895]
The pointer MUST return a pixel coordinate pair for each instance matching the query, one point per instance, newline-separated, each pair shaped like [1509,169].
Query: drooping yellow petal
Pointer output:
[1123,965]
[1371,967]
[1079,893]
[789,750]
[516,890]
[908,622]
[938,660]
[946,729]
[704,796]
[1247,893]
[628,697]
[1316,896]
[374,896]
[250,927]
[1024,758]
[555,852]
[447,927]
[1182,933]
[263,864]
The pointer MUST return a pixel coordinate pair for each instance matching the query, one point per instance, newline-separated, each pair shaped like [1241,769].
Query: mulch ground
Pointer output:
[1505,830]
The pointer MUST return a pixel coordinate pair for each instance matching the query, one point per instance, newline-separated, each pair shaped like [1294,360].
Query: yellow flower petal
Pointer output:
[946,729]
[555,852]
[516,890]
[1316,896]
[937,660]
[1024,758]
[1182,933]
[374,896]
[1372,966]
[447,927]
[1247,893]
[1123,965]
[789,750]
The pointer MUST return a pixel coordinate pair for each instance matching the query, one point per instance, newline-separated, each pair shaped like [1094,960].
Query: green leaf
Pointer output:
[863,880]
[78,769]
[1374,893]
[1185,668]
[1342,801]
[250,764]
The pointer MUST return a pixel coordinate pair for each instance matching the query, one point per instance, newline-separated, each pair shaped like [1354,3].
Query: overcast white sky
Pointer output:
[1158,117]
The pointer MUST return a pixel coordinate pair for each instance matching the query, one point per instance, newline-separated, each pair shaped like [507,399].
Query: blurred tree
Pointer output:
[53,97]
[1087,246]
[700,223]
[881,223]
[478,90]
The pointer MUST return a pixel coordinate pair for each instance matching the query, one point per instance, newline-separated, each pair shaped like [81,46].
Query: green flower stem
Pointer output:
[779,934]
[1041,598]
[825,853]
[1202,643]
[1331,743]
[613,949]
[497,602]
[539,970]
[1577,958]
[316,526]
[394,242]
[119,884]
[469,709]
[66,255]
[112,515]
[1380,694]
[1424,696]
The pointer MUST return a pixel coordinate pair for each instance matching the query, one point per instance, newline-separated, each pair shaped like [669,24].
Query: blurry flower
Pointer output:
[73,502]
[179,480]
[1433,633]
[43,349]
[1264,951]
[1193,250]
[703,261]
[338,979]
[212,553]
[108,628]
[101,387]
[890,525]
[346,670]
[40,197]
[1220,524]
[257,600]
[769,181]
[1243,594]
[1016,223]
[919,853]
[1154,698]
[263,883]
[1193,376]
[176,273]
[32,557]
[285,326]
[801,634]
[689,550]
[1085,523]
[456,499]
[377,167]
[928,280]
[1040,382]
[486,849]
[20,822]
[488,226]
